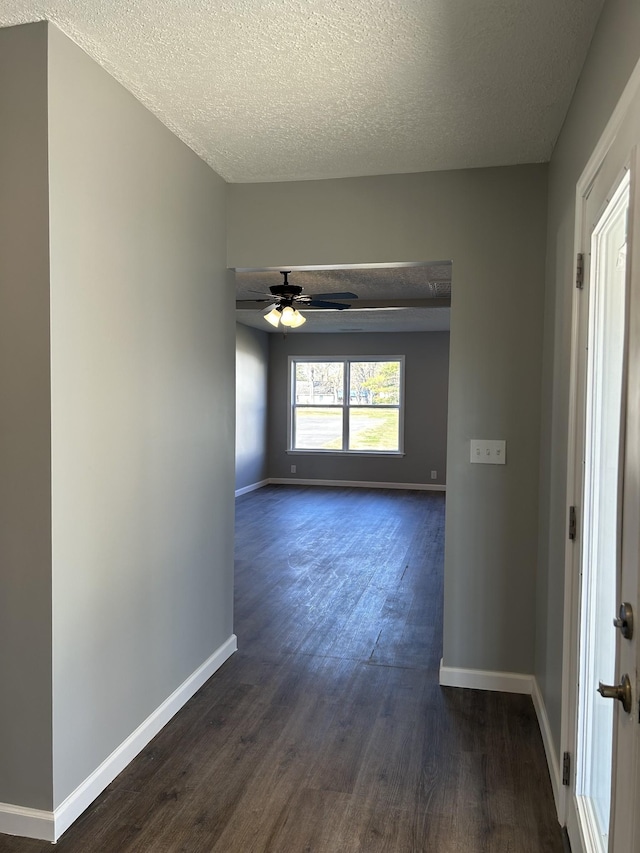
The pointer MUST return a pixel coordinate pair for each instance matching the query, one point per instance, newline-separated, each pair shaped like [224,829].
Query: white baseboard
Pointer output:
[357,484]
[252,487]
[93,785]
[549,747]
[49,826]
[481,679]
[29,823]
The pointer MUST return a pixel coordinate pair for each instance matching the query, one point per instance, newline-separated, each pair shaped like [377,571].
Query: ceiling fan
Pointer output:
[286,298]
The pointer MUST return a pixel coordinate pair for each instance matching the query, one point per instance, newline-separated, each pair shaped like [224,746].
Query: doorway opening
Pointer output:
[601,513]
[600,728]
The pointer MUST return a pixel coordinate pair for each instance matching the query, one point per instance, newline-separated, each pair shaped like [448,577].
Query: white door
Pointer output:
[605,735]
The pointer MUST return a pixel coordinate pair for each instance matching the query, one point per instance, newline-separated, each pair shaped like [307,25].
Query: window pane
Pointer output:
[373,429]
[317,429]
[374,383]
[319,382]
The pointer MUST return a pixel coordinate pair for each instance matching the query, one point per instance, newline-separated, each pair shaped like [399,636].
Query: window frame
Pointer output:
[346,360]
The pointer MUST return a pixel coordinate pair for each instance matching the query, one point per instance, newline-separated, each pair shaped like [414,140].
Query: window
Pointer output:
[347,405]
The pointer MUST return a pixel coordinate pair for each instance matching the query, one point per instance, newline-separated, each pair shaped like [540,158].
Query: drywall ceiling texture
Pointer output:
[288,90]
[405,290]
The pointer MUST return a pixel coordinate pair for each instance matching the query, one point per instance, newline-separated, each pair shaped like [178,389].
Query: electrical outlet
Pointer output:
[434,475]
[293,469]
[488,451]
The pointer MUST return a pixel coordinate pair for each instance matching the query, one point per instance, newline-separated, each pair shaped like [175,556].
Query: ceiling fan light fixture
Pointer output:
[273,317]
[287,296]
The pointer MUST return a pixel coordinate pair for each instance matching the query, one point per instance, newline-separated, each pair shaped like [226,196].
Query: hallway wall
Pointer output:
[25,416]
[491,224]
[142,377]
[614,52]
[117,393]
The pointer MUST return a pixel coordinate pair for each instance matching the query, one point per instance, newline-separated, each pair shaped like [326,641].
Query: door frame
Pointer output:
[570,659]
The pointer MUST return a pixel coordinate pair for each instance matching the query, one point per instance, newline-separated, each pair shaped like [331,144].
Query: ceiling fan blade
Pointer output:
[250,303]
[341,295]
[321,303]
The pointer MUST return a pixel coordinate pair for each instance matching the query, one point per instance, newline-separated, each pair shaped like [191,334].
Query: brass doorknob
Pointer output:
[625,620]
[621,692]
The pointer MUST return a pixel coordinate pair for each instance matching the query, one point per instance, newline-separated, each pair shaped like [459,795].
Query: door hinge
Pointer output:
[573,525]
[580,271]
[566,769]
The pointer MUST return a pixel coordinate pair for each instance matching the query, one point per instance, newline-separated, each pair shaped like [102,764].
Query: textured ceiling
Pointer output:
[415,281]
[400,289]
[270,90]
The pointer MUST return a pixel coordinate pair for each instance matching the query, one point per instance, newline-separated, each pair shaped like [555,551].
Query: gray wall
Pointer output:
[142,373]
[491,224]
[25,458]
[614,52]
[252,361]
[426,385]
[117,389]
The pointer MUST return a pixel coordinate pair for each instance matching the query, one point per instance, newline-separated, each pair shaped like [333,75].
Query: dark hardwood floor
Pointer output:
[327,732]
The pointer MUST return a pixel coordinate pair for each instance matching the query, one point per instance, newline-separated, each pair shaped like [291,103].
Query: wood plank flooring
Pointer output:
[327,732]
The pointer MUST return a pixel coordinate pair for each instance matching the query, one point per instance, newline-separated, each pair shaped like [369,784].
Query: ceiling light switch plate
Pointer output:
[486,451]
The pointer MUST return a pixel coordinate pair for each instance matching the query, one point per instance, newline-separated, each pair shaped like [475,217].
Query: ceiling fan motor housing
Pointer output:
[288,291]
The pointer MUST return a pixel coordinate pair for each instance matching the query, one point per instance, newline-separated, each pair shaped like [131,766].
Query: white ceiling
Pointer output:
[391,298]
[269,90]
[393,282]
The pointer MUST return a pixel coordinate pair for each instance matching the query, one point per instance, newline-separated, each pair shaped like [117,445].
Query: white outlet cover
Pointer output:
[488,451]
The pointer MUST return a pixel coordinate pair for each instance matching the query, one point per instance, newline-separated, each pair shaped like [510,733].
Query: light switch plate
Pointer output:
[486,451]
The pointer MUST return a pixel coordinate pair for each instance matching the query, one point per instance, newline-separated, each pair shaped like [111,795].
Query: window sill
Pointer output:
[343,453]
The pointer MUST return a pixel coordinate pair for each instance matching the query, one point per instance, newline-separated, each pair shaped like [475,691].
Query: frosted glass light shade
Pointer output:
[273,317]
[298,320]
[288,316]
